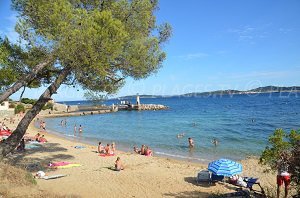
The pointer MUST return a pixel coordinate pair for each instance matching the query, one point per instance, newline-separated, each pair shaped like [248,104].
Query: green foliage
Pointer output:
[30,178]
[19,108]
[48,106]
[95,98]
[281,142]
[28,101]
[12,105]
[102,41]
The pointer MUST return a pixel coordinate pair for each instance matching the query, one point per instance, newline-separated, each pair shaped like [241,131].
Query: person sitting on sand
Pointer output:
[37,137]
[148,151]
[100,148]
[191,142]
[142,151]
[107,149]
[21,146]
[118,164]
[42,139]
[136,150]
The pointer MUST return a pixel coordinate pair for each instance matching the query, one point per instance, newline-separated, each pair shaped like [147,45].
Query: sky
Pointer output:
[215,45]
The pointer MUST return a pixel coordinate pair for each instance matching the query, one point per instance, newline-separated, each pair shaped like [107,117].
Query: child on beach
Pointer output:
[118,164]
[113,147]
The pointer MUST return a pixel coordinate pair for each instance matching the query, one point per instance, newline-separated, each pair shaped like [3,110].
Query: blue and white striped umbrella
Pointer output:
[225,167]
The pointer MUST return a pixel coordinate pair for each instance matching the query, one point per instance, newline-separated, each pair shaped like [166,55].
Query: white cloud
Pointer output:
[248,33]
[9,30]
[194,56]
[285,30]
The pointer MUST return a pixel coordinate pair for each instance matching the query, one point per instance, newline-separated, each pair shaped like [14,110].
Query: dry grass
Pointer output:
[16,182]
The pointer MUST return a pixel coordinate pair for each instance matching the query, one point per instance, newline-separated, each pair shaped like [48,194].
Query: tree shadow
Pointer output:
[187,194]
[192,180]
[48,151]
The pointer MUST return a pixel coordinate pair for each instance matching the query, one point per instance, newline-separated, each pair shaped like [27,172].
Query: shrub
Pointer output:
[48,106]
[19,108]
[12,105]
[28,101]
[289,145]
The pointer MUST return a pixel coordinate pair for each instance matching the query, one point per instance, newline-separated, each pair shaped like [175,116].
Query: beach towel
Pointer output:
[68,166]
[79,147]
[52,177]
[59,163]
[106,155]
[34,142]
[31,146]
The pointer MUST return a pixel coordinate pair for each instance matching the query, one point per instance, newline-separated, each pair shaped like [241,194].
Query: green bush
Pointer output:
[48,106]
[28,101]
[12,105]
[19,108]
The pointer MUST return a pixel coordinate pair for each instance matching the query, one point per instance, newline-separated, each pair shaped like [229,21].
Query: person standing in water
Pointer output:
[191,142]
[80,129]
[75,129]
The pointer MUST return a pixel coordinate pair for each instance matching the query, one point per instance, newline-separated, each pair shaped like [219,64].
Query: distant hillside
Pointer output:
[275,89]
[266,89]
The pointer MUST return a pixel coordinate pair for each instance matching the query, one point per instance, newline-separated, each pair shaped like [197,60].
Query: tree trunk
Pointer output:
[13,140]
[22,82]
[24,87]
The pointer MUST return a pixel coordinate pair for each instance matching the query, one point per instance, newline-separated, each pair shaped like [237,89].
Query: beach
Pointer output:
[143,176]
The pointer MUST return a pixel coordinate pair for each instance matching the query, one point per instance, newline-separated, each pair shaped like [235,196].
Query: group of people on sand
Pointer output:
[39,138]
[145,150]
[109,149]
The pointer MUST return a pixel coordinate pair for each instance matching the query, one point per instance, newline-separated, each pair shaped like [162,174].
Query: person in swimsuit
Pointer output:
[118,164]
[191,142]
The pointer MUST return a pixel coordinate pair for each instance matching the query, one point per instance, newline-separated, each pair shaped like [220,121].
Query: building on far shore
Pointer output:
[5,111]
[4,105]
[138,99]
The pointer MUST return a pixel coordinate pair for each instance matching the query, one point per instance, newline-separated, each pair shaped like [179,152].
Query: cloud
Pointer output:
[248,33]
[9,30]
[12,18]
[194,56]
[285,30]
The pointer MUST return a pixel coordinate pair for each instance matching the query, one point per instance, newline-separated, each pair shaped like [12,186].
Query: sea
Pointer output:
[240,123]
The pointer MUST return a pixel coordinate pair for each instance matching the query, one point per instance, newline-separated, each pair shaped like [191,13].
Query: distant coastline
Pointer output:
[259,90]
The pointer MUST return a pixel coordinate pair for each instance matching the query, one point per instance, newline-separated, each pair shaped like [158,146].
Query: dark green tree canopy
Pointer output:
[103,42]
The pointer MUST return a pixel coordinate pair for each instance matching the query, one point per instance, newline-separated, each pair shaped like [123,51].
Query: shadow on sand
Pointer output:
[46,153]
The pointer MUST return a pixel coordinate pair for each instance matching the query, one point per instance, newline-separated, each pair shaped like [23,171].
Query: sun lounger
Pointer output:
[250,181]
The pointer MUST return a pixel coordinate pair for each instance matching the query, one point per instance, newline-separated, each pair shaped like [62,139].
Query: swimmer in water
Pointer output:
[215,142]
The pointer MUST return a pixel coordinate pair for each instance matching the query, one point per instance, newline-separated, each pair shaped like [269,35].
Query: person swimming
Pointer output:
[215,142]
[180,135]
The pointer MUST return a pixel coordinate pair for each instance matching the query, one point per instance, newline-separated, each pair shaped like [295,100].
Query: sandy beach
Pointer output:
[143,176]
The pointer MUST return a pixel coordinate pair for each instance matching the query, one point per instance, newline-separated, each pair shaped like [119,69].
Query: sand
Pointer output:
[143,176]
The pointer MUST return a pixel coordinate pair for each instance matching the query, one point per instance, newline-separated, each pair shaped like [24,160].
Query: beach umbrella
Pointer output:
[225,167]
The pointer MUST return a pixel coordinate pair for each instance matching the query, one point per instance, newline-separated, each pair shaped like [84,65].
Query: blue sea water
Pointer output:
[241,124]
